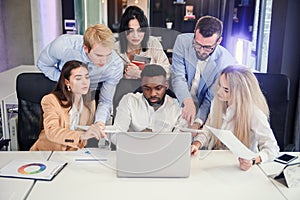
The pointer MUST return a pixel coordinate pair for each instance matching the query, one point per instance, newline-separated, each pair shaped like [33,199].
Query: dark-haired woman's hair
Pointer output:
[60,90]
[65,97]
[133,12]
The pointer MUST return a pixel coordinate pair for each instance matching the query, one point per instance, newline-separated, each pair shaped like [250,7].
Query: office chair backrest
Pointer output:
[276,88]
[31,87]
[124,86]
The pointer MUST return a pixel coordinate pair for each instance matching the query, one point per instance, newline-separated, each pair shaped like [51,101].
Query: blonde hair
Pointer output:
[98,33]
[245,95]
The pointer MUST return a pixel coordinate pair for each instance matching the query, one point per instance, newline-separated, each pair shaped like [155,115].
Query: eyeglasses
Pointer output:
[199,46]
[138,31]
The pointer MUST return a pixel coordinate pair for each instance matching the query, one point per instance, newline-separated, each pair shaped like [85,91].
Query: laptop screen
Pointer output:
[147,154]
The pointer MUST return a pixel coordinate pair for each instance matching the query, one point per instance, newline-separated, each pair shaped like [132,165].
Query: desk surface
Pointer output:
[13,188]
[214,175]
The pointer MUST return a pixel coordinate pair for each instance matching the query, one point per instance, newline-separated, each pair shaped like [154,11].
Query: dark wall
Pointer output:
[67,11]
[161,10]
[114,8]
[284,51]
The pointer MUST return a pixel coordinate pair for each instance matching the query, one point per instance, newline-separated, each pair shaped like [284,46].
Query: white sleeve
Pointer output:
[263,134]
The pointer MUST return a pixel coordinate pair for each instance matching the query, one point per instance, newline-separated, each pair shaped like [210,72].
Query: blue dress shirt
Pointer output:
[70,47]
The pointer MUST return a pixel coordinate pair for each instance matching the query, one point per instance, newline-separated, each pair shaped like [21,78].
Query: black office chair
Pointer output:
[31,87]
[4,144]
[124,86]
[276,88]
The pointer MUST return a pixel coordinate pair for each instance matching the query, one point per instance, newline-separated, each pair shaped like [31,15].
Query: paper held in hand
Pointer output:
[233,144]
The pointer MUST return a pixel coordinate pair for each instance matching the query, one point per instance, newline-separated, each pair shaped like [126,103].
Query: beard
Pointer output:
[157,103]
[204,56]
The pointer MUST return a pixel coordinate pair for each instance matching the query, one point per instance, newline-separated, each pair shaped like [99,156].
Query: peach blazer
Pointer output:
[56,135]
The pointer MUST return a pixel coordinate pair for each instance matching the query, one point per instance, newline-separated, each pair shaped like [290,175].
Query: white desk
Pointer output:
[272,168]
[13,188]
[217,176]
[8,91]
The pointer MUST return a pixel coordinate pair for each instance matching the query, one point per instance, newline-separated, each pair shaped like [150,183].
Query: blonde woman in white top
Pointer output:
[240,107]
[134,39]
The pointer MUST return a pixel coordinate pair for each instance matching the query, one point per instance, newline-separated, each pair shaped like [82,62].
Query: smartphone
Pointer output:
[285,158]
[140,61]
[140,58]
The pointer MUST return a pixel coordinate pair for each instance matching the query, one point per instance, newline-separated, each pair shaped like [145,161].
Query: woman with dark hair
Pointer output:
[66,107]
[135,39]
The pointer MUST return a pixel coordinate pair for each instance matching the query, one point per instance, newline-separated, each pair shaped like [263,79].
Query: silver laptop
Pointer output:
[157,155]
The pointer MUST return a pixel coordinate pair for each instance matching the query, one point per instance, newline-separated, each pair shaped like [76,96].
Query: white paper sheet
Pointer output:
[91,154]
[108,129]
[233,144]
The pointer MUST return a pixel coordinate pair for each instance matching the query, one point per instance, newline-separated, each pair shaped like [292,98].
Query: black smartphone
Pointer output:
[140,58]
[285,158]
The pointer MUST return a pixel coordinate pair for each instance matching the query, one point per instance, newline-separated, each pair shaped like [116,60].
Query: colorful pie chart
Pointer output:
[32,168]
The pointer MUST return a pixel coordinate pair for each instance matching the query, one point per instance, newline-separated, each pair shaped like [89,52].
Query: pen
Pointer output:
[126,62]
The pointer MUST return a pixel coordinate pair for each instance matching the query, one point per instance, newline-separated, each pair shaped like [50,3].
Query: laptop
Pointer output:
[153,155]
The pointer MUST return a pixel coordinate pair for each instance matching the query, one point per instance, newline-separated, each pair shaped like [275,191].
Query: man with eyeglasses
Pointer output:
[197,61]
[95,48]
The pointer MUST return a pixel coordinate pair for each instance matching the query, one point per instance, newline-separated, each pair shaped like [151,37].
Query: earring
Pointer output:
[69,89]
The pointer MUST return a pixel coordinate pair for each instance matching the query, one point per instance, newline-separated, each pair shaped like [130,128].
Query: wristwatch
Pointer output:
[253,161]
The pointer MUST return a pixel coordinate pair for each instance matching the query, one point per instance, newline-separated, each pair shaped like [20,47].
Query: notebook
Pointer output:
[32,169]
[155,155]
[290,175]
